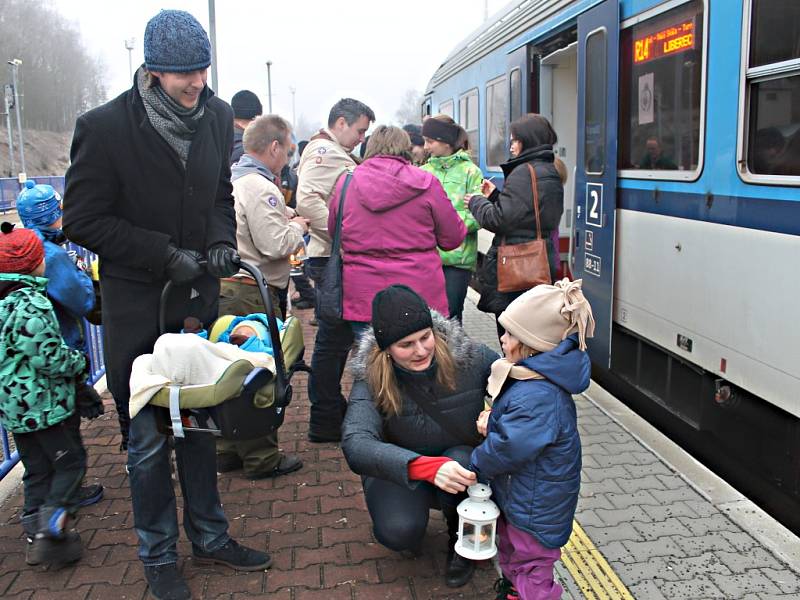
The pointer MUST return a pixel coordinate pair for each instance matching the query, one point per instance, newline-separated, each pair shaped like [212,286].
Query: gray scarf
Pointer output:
[172,121]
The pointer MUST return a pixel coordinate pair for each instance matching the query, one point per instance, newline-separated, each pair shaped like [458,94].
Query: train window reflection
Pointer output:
[595,94]
[775,31]
[515,89]
[661,66]
[496,136]
[446,108]
[468,119]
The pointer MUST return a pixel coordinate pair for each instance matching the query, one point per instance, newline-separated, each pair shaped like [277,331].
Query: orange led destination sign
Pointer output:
[670,40]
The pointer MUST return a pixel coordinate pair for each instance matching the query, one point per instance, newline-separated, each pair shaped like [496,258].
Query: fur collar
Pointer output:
[464,349]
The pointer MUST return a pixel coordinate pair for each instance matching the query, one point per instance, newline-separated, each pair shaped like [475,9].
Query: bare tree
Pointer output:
[59,79]
[410,110]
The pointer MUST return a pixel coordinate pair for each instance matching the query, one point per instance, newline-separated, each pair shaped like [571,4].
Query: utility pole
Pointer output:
[15,63]
[9,103]
[269,85]
[129,44]
[212,26]
[293,90]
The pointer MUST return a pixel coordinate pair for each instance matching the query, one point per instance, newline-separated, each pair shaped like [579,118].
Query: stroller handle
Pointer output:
[282,388]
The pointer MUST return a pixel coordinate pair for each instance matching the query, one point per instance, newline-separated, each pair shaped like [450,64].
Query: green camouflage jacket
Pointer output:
[37,368]
[459,176]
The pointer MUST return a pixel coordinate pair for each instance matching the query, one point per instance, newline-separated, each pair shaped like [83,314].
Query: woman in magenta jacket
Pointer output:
[395,217]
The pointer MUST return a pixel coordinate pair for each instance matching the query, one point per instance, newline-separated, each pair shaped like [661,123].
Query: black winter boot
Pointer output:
[54,544]
[166,583]
[458,570]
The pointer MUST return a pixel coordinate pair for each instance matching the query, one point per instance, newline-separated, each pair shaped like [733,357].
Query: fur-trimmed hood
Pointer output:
[464,349]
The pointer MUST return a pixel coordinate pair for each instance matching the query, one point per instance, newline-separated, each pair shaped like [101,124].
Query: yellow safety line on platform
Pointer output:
[589,569]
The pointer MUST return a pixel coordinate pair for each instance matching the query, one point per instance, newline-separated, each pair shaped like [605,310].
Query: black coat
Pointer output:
[376,445]
[127,196]
[509,215]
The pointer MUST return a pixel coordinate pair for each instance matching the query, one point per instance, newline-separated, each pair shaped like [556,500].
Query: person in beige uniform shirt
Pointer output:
[266,234]
[324,159]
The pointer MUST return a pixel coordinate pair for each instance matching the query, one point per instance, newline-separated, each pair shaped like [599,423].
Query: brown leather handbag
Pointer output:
[523,266]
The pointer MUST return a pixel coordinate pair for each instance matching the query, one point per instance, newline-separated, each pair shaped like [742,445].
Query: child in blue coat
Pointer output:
[532,451]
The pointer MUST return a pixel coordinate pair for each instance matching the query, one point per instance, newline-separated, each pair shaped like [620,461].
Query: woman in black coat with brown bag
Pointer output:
[509,213]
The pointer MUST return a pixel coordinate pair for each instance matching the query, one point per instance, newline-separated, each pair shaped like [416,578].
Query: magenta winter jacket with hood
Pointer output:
[395,216]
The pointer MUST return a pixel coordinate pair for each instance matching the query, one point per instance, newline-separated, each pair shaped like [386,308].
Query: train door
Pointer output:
[596,168]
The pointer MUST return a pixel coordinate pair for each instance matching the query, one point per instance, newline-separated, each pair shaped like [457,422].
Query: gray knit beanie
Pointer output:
[175,42]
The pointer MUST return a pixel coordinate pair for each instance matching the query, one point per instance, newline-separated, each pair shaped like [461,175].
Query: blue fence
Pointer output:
[9,188]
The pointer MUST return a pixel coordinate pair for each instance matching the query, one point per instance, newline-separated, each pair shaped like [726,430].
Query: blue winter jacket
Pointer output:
[532,453]
[69,288]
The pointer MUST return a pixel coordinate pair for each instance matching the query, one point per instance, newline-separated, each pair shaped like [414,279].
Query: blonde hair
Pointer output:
[382,381]
[390,140]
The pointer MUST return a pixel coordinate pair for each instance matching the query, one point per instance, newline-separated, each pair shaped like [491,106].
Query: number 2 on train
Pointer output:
[594,204]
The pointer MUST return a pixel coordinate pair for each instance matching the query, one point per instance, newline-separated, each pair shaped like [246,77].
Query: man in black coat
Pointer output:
[149,191]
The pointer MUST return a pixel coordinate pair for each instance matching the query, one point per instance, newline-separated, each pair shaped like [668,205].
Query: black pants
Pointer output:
[55,463]
[400,515]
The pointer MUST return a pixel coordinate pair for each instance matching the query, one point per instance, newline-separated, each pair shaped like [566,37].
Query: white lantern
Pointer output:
[477,524]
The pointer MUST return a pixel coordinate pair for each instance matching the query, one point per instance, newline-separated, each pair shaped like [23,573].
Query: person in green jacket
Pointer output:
[450,162]
[37,400]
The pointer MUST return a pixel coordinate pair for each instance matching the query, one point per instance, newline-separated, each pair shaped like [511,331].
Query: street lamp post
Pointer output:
[129,44]
[293,89]
[8,98]
[15,63]
[212,26]
[269,85]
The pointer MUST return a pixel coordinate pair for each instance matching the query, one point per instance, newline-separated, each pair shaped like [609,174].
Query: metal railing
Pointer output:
[9,188]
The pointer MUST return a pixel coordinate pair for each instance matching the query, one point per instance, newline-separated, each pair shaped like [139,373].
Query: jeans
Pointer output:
[400,515]
[331,347]
[154,508]
[456,282]
[55,462]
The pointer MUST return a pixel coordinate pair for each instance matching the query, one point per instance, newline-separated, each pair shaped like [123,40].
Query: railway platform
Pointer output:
[652,524]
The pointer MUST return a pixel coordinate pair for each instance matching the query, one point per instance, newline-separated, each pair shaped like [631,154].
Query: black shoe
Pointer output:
[324,438]
[227,462]
[55,552]
[166,583]
[235,556]
[288,464]
[90,494]
[505,590]
[459,570]
[303,304]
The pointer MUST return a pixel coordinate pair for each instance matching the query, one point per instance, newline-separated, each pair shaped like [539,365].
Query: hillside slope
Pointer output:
[46,152]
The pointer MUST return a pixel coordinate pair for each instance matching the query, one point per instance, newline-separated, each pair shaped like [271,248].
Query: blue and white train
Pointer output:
[679,122]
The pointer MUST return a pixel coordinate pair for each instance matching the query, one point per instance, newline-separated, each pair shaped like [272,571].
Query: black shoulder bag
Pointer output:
[329,290]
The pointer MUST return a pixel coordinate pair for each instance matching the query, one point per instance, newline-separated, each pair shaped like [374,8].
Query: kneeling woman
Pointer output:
[418,387]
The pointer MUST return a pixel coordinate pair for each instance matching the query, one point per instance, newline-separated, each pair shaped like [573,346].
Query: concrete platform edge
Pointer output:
[775,537]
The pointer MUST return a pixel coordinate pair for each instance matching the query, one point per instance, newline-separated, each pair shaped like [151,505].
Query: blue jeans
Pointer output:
[456,282]
[331,347]
[154,510]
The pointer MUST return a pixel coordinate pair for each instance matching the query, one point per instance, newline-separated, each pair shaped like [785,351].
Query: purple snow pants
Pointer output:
[526,563]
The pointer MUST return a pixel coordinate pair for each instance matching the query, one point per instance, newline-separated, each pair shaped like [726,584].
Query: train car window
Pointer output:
[446,108]
[468,118]
[660,110]
[515,92]
[595,132]
[773,88]
[496,132]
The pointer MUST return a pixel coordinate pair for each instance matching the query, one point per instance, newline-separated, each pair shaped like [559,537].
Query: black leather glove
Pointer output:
[87,400]
[183,265]
[223,260]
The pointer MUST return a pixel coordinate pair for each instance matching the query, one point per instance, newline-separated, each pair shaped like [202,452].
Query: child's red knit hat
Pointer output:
[21,250]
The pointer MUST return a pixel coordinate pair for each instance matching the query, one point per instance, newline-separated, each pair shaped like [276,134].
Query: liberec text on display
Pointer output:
[665,42]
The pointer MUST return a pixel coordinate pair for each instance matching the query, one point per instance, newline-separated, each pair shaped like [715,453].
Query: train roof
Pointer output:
[512,20]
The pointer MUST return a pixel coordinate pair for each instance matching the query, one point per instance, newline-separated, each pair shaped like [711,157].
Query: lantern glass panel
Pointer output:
[485,536]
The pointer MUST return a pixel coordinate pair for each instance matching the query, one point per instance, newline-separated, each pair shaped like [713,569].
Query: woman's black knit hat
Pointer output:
[398,311]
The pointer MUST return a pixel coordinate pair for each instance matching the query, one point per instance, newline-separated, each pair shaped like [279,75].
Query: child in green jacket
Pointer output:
[37,399]
[448,145]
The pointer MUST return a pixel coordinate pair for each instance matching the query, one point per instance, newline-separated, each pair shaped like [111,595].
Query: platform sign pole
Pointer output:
[596,171]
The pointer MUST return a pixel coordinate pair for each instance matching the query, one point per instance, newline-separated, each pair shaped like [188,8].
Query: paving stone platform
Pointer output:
[663,539]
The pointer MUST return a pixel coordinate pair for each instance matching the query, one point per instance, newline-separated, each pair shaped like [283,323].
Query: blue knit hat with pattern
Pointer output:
[175,42]
[38,206]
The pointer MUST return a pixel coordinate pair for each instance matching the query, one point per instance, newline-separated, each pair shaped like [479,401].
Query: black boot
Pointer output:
[166,583]
[30,525]
[55,545]
[458,570]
